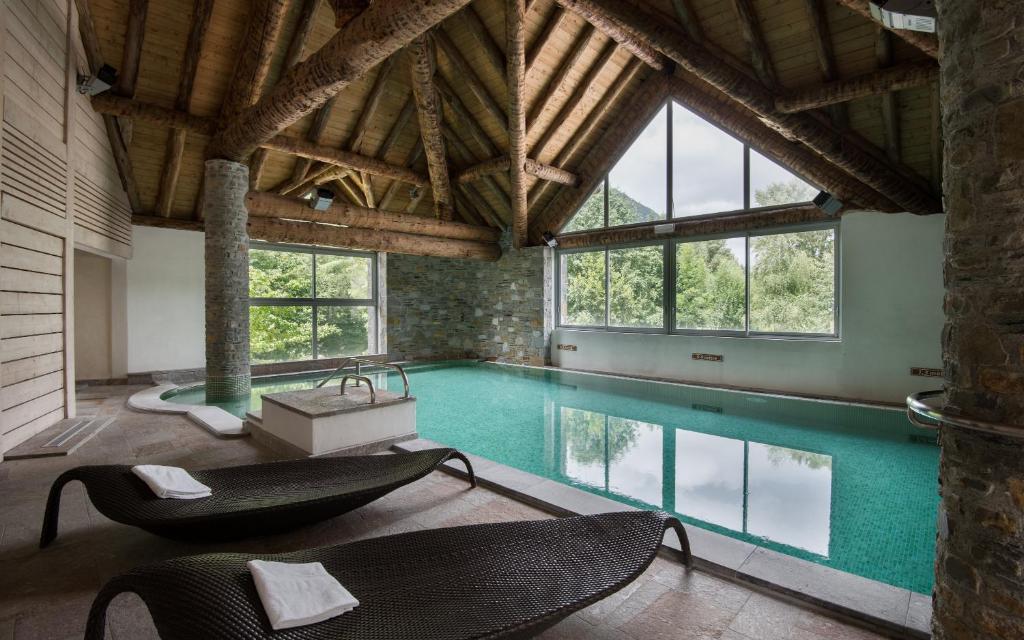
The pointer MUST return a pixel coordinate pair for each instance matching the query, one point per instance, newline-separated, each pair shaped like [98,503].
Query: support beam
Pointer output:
[926,42]
[493,54]
[750,29]
[462,150]
[502,164]
[375,34]
[883,176]
[904,76]
[131,53]
[346,10]
[202,10]
[268,205]
[257,51]
[428,110]
[352,238]
[720,224]
[108,104]
[515,14]
[313,134]
[615,30]
[890,108]
[414,155]
[688,19]
[468,76]
[551,26]
[821,38]
[553,87]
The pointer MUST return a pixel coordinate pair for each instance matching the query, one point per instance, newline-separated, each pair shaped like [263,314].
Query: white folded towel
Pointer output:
[294,595]
[171,482]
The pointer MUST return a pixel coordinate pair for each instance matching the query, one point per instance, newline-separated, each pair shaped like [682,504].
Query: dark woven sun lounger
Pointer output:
[250,500]
[506,580]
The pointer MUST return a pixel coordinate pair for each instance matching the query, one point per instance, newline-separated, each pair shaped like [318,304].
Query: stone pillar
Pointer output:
[227,280]
[979,588]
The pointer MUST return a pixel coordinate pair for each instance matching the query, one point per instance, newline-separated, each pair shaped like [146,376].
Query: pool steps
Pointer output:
[214,419]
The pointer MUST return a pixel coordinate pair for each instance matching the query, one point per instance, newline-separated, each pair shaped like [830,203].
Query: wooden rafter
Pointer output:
[315,132]
[551,26]
[468,76]
[883,81]
[428,110]
[750,29]
[488,46]
[128,74]
[556,84]
[346,10]
[688,19]
[926,42]
[461,149]
[884,176]
[462,154]
[890,108]
[821,38]
[627,38]
[411,159]
[501,164]
[515,14]
[371,37]
[257,51]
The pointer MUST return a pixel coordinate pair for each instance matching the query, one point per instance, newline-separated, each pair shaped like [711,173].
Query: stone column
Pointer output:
[979,588]
[227,280]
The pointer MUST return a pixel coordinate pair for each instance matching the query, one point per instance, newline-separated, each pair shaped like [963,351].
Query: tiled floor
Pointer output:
[46,594]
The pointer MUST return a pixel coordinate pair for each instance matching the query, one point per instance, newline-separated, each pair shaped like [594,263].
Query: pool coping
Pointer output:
[865,602]
[214,419]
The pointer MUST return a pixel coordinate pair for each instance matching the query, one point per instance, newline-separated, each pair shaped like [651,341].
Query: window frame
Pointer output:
[315,302]
[669,286]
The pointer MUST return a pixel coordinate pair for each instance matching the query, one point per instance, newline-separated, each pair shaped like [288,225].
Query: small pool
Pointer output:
[847,486]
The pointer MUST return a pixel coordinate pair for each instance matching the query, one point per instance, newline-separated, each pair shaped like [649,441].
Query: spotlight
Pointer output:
[414,192]
[912,15]
[321,199]
[98,82]
[550,240]
[828,203]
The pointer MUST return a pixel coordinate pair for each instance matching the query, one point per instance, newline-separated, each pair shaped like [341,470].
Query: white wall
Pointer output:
[891,320]
[165,298]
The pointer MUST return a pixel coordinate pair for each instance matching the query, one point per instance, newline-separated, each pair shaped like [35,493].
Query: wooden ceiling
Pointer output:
[579,85]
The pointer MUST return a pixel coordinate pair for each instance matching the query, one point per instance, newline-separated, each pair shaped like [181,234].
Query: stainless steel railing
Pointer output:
[359,361]
[358,378]
[918,407]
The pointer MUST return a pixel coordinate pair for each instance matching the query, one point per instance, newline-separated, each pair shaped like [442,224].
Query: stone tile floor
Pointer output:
[46,594]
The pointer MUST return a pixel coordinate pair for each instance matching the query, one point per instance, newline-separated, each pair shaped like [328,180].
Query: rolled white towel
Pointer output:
[294,595]
[171,482]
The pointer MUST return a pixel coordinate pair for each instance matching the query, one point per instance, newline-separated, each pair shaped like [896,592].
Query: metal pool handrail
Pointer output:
[359,361]
[918,407]
[369,384]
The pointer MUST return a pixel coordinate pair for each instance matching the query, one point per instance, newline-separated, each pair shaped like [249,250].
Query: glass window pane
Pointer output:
[590,215]
[344,277]
[583,292]
[770,184]
[345,331]
[280,274]
[638,184]
[636,287]
[709,478]
[711,285]
[707,166]
[280,334]
[792,282]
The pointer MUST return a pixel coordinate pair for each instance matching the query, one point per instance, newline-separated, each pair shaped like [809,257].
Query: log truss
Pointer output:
[499,113]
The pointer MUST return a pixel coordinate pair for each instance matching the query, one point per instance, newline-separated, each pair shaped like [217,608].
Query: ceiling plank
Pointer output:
[821,38]
[372,36]
[493,54]
[555,84]
[468,76]
[202,10]
[883,176]
[551,26]
[515,29]
[627,38]
[926,42]
[883,81]
[428,110]
[750,29]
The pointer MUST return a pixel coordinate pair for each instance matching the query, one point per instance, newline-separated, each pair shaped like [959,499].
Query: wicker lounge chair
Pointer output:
[250,500]
[505,580]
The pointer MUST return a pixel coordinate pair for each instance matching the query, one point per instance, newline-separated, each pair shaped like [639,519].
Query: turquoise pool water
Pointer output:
[850,487]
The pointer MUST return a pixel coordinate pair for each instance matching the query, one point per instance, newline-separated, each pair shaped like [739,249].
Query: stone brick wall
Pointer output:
[442,308]
[979,586]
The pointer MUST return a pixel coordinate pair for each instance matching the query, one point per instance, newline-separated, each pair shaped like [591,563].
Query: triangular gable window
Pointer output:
[710,172]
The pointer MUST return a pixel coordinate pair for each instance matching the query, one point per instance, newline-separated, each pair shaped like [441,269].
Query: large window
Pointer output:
[310,303]
[767,283]
[681,165]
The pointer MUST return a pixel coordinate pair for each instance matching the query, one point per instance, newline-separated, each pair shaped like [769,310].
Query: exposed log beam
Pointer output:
[551,26]
[257,51]
[353,238]
[821,38]
[735,222]
[627,38]
[926,42]
[904,76]
[269,205]
[411,159]
[131,53]
[750,29]
[468,76]
[372,36]
[581,91]
[114,105]
[346,10]
[475,26]
[554,86]
[461,154]
[468,157]
[315,132]
[428,110]
[502,164]
[890,109]
[202,10]
[515,15]
[688,19]
[330,174]
[881,175]
[401,122]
